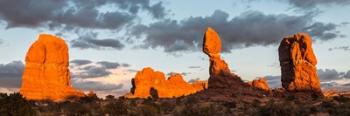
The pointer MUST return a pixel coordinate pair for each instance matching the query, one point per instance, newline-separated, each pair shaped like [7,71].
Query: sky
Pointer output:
[110,40]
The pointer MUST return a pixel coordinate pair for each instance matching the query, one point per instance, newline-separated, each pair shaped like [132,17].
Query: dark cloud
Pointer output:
[75,13]
[97,86]
[10,74]
[10,82]
[329,74]
[309,4]
[192,67]
[1,41]
[90,41]
[347,75]
[329,84]
[13,69]
[92,72]
[248,29]
[322,30]
[345,48]
[109,65]
[274,81]
[193,80]
[89,69]
[126,65]
[80,62]
[183,73]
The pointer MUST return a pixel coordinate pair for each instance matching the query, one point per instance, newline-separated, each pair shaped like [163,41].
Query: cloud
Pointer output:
[182,74]
[93,71]
[96,86]
[10,74]
[90,41]
[73,13]
[345,48]
[88,69]
[193,67]
[329,74]
[309,4]
[109,65]
[13,69]
[251,28]
[193,80]
[80,62]
[321,30]
[274,81]
[1,41]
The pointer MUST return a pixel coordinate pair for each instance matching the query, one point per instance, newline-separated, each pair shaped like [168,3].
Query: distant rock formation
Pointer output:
[147,80]
[46,74]
[260,83]
[220,74]
[298,64]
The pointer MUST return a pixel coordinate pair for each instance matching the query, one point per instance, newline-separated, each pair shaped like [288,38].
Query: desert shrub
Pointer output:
[285,108]
[15,105]
[150,110]
[202,110]
[342,98]
[117,108]
[230,104]
[337,109]
[89,99]
[167,106]
[109,97]
[74,108]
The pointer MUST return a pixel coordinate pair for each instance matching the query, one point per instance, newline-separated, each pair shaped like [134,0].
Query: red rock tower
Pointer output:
[46,74]
[298,64]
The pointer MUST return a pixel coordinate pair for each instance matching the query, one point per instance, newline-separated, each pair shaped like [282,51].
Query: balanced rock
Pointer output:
[148,80]
[220,74]
[260,83]
[46,74]
[298,64]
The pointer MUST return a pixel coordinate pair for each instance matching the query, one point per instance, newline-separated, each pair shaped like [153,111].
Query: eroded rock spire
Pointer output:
[220,74]
[298,64]
[46,74]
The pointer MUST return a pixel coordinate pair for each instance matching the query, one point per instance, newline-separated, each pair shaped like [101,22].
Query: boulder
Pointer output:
[149,80]
[46,74]
[260,83]
[298,64]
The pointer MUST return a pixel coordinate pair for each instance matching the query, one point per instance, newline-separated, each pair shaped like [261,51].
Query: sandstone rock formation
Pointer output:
[260,83]
[220,74]
[298,64]
[174,86]
[46,74]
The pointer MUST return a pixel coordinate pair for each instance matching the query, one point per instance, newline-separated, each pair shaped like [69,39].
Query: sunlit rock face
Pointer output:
[260,83]
[46,74]
[220,74]
[174,86]
[298,64]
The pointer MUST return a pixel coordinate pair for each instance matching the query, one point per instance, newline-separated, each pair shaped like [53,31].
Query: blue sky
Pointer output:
[166,35]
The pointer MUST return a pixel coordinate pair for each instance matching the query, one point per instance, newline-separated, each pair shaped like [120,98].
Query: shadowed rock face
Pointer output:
[220,74]
[174,86]
[298,64]
[46,74]
[260,84]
